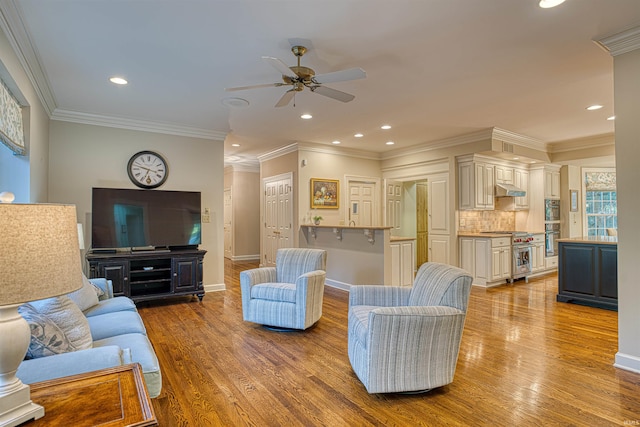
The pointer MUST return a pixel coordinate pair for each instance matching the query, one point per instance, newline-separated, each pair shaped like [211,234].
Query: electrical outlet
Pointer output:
[463,222]
[207,211]
[206,218]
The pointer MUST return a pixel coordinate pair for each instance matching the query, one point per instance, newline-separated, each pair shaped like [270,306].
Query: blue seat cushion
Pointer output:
[285,292]
[111,305]
[112,324]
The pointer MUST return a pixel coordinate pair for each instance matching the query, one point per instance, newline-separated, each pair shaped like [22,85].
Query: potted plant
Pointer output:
[317,219]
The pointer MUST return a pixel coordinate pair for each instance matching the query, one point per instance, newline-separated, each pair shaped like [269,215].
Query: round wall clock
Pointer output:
[147,169]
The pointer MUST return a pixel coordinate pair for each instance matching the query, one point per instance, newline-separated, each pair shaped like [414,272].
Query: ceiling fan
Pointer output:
[300,77]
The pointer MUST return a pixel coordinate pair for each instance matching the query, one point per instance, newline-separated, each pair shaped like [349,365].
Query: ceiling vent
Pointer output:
[507,148]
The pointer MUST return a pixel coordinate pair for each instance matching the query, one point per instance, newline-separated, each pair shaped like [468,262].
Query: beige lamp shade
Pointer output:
[39,252]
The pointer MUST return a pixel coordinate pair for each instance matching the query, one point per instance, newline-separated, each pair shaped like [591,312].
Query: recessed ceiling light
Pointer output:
[385,127]
[594,107]
[306,116]
[389,142]
[336,142]
[235,145]
[611,118]
[532,161]
[546,4]
[516,158]
[118,80]
[358,135]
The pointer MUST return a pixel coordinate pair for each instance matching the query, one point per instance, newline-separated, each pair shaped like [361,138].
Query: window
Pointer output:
[601,211]
[601,201]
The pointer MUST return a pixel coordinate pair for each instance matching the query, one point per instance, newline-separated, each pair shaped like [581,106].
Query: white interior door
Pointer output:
[278,214]
[228,218]
[393,204]
[362,203]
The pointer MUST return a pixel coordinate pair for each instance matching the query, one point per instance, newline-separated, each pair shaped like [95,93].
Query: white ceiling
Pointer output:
[435,68]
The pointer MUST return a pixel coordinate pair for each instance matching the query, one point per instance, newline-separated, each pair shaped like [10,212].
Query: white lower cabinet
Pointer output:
[487,259]
[402,262]
[439,248]
[537,253]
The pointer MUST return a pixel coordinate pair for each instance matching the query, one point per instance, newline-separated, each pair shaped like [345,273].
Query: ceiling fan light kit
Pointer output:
[300,77]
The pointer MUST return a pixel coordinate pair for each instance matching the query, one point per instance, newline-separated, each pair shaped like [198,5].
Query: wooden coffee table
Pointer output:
[108,397]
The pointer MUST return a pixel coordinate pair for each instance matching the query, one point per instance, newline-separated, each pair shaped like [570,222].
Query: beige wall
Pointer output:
[627,107]
[323,162]
[86,156]
[245,193]
[25,176]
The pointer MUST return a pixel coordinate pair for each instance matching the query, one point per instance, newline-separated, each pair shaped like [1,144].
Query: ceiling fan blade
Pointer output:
[286,98]
[231,89]
[279,65]
[340,76]
[332,93]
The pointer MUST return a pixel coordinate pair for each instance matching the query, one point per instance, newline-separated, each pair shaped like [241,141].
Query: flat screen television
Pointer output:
[127,218]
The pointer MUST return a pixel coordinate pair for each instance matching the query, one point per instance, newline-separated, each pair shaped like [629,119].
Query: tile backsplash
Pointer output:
[475,221]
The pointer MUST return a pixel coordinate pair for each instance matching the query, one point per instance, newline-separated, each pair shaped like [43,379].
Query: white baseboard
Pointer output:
[627,362]
[337,284]
[215,287]
[255,257]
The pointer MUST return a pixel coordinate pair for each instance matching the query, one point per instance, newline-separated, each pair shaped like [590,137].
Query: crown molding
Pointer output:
[335,149]
[243,167]
[12,24]
[467,138]
[622,42]
[581,143]
[269,155]
[517,139]
[139,125]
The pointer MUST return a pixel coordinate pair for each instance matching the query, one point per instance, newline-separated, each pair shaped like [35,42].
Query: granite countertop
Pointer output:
[489,234]
[347,227]
[605,240]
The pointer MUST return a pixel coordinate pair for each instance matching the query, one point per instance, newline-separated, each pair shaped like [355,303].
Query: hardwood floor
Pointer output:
[525,360]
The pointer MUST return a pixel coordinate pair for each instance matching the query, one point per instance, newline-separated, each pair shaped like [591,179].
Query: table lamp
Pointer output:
[39,258]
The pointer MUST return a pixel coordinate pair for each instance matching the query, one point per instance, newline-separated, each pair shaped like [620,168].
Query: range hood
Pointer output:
[508,190]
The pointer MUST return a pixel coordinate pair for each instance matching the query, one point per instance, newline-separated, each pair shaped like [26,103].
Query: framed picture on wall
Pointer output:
[325,193]
[574,200]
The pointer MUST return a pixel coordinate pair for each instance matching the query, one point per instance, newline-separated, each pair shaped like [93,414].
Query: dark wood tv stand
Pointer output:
[144,276]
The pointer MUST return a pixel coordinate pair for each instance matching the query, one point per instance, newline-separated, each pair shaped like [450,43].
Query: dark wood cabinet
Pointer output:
[147,276]
[588,273]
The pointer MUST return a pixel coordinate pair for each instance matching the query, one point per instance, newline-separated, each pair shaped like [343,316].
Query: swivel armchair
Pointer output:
[407,339]
[289,295]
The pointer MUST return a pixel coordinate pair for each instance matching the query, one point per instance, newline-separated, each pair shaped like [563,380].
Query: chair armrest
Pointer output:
[310,284]
[378,295]
[105,285]
[256,276]
[75,362]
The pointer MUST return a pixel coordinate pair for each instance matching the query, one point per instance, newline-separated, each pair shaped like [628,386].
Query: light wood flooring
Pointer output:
[525,360]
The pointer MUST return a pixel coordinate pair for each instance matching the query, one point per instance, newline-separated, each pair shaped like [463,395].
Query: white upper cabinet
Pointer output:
[551,183]
[476,185]
[521,180]
[504,175]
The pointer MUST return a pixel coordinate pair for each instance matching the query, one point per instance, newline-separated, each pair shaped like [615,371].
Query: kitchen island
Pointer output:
[588,271]
[355,255]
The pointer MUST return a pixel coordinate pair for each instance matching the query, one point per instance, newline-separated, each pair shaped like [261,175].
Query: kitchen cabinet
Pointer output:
[439,248]
[402,261]
[552,182]
[538,253]
[500,259]
[488,260]
[521,180]
[476,185]
[504,175]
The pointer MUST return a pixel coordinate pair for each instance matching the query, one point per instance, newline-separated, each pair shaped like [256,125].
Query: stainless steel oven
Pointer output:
[551,236]
[551,210]
[522,247]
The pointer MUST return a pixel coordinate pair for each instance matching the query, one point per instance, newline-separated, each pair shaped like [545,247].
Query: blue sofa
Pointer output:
[118,337]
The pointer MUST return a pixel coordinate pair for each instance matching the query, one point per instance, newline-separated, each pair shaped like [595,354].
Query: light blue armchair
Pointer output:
[407,339]
[289,295]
